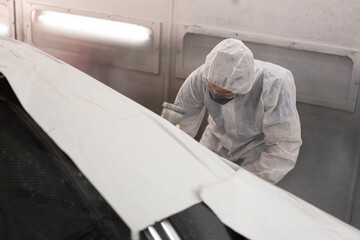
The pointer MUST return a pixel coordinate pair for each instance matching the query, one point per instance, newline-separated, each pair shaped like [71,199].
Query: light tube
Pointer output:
[4,30]
[95,28]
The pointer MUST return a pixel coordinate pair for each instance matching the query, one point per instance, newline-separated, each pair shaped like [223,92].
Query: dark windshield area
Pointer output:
[42,194]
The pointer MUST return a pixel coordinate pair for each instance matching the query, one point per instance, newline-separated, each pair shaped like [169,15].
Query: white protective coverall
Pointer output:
[260,128]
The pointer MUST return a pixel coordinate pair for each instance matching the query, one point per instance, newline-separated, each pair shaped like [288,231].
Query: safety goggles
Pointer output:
[220,91]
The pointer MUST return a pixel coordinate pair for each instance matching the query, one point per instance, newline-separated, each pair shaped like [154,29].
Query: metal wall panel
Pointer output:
[328,22]
[139,73]
[94,46]
[324,75]
[156,10]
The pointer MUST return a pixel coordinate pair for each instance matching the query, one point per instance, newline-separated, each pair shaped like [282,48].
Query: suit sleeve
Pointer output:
[191,98]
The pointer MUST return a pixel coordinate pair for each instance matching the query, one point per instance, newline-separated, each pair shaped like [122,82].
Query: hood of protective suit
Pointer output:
[230,65]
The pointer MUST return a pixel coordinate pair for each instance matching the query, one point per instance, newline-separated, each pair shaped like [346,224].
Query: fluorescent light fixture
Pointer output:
[4,30]
[95,28]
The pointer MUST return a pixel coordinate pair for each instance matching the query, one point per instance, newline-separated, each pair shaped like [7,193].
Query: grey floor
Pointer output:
[327,171]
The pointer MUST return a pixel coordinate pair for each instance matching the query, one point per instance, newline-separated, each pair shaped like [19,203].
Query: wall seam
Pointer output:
[15,22]
[353,188]
[169,53]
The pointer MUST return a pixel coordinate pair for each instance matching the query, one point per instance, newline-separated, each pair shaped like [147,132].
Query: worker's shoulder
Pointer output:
[274,78]
[273,73]
[196,76]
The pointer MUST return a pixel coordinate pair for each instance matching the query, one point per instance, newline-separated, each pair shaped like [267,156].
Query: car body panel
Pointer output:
[261,210]
[144,167]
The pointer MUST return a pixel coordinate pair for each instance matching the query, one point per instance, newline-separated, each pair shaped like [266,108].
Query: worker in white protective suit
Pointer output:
[253,120]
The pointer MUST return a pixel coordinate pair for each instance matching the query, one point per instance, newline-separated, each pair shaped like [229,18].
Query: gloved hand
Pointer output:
[172,113]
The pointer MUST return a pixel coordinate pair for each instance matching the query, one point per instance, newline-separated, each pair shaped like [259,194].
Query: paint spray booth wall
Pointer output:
[143,83]
[321,28]
[311,39]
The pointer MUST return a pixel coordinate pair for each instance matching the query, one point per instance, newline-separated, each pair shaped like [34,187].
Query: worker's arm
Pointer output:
[191,98]
[281,127]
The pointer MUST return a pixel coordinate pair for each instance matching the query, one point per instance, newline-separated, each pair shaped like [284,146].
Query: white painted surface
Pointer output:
[247,204]
[144,167]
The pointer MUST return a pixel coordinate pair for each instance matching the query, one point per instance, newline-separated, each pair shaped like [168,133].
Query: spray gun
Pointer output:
[172,112]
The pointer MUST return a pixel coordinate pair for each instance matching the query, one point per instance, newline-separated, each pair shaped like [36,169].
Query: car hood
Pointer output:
[144,167]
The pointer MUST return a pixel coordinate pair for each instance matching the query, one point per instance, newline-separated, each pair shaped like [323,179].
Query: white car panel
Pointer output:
[259,210]
[143,166]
